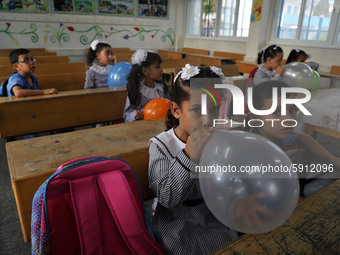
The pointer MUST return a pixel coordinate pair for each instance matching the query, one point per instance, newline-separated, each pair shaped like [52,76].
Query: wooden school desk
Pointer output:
[29,115]
[325,109]
[32,161]
[313,228]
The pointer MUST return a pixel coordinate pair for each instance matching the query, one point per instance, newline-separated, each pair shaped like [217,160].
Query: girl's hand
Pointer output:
[50,91]
[279,70]
[198,139]
[248,209]
[138,115]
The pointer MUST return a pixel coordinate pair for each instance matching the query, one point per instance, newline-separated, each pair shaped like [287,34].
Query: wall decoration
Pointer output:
[24,5]
[256,11]
[31,31]
[153,8]
[100,33]
[123,8]
[56,35]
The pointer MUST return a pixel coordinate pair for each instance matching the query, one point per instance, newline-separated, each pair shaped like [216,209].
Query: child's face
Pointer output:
[274,131]
[301,58]
[25,64]
[154,72]
[275,62]
[191,118]
[104,56]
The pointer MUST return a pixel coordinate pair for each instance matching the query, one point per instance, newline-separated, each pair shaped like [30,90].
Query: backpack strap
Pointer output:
[124,209]
[85,204]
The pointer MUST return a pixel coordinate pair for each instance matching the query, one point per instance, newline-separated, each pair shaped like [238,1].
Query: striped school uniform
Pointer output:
[182,222]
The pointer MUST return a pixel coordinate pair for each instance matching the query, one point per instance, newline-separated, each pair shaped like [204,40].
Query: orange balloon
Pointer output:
[157,107]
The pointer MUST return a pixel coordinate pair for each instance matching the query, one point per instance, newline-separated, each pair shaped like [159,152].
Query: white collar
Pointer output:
[101,69]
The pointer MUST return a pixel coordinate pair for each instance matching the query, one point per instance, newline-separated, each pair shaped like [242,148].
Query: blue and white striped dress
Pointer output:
[182,222]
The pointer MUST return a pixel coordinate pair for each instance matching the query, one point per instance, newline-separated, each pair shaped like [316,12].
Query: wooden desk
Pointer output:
[4,61]
[61,82]
[246,67]
[167,54]
[48,69]
[28,115]
[32,161]
[313,228]
[210,61]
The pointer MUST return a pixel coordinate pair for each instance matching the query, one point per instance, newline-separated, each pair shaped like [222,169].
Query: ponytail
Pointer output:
[269,52]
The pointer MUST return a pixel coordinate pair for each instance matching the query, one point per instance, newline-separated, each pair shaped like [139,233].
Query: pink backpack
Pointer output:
[91,205]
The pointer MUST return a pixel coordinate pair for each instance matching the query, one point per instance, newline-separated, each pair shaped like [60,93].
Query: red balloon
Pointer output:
[157,107]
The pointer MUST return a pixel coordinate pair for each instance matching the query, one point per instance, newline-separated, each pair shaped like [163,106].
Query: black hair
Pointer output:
[14,54]
[269,52]
[181,92]
[295,54]
[136,76]
[91,54]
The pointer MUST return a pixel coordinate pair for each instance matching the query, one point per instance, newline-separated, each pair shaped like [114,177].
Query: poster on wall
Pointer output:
[24,5]
[256,11]
[153,8]
[73,6]
[123,8]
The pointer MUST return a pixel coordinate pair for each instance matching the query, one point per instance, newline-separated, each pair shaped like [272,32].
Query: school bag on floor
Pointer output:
[91,205]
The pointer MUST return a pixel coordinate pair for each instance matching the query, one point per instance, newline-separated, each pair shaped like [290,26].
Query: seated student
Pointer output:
[144,83]
[297,55]
[285,137]
[271,69]
[23,83]
[182,222]
[97,75]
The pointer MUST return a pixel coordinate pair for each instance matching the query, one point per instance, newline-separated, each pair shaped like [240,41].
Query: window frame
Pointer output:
[217,35]
[333,30]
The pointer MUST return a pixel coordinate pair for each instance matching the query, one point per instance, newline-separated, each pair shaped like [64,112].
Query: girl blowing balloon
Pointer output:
[271,69]
[182,222]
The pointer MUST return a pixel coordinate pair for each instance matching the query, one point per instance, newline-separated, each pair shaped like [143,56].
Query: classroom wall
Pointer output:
[70,34]
[259,37]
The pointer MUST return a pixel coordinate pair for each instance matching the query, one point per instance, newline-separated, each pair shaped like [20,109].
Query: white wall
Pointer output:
[54,31]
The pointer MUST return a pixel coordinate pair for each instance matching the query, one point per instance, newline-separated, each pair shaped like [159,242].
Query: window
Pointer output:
[216,18]
[310,20]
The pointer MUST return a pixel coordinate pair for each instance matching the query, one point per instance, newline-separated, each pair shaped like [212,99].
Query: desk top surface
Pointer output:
[44,154]
[325,109]
[313,228]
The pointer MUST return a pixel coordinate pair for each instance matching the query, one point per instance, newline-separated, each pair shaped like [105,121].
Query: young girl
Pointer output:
[271,68]
[182,222]
[297,55]
[96,76]
[144,83]
[285,137]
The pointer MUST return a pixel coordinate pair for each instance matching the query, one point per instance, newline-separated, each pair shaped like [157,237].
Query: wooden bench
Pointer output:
[122,58]
[245,67]
[311,229]
[34,51]
[28,115]
[120,49]
[4,61]
[167,54]
[32,161]
[6,71]
[210,61]
[195,51]
[179,63]
[61,82]
[235,56]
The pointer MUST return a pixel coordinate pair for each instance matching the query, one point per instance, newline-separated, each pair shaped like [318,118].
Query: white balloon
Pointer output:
[223,190]
[298,74]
